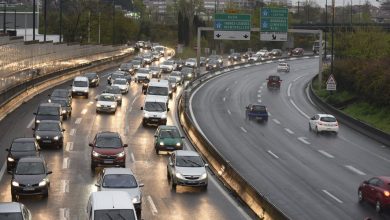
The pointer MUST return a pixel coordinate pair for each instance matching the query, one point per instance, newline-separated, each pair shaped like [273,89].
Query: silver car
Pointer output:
[186,168]
[122,179]
[14,210]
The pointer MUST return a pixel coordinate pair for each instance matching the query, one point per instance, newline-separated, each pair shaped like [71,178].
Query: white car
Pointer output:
[186,168]
[168,66]
[143,75]
[283,67]
[323,122]
[106,103]
[122,179]
[123,85]
[190,62]
[254,58]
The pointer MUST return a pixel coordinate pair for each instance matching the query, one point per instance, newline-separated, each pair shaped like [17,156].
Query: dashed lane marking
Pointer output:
[243,129]
[30,123]
[259,100]
[332,196]
[355,170]
[289,131]
[2,171]
[69,146]
[152,205]
[78,120]
[64,213]
[65,163]
[132,157]
[229,112]
[326,154]
[272,154]
[224,99]
[72,132]
[84,111]
[64,186]
[259,95]
[303,140]
[276,121]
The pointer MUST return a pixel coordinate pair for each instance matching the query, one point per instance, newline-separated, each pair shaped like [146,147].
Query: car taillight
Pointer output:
[387,193]
[319,123]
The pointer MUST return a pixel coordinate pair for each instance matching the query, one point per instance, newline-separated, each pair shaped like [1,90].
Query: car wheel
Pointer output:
[378,206]
[309,127]
[14,197]
[157,151]
[360,196]
[86,96]
[205,187]
[46,194]
[316,130]
[97,111]
[93,167]
[173,184]
[138,213]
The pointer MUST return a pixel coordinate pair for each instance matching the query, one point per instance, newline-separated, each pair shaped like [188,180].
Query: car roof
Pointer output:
[24,139]
[326,115]
[158,82]
[31,159]
[118,170]
[10,207]
[111,200]
[186,153]
[385,179]
[108,94]
[155,98]
[50,122]
[59,99]
[80,78]
[48,104]
[120,79]
[167,127]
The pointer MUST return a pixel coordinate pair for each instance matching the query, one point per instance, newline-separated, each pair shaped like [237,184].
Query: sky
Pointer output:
[339,2]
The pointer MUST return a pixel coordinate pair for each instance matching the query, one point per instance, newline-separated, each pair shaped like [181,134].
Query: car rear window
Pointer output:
[258,108]
[274,78]
[11,216]
[327,119]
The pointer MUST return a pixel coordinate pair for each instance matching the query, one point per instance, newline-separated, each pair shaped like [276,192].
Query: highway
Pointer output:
[307,176]
[72,179]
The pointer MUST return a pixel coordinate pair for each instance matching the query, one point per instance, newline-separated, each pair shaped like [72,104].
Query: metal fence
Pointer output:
[21,61]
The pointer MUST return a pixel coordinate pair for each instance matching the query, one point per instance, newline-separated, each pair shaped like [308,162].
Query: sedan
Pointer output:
[172,84]
[49,133]
[190,62]
[123,85]
[284,67]
[14,211]
[116,91]
[213,65]
[297,52]
[168,66]
[30,178]
[122,179]
[323,122]
[376,191]
[21,147]
[155,71]
[234,57]
[186,168]
[188,73]
[93,79]
[106,103]
[66,106]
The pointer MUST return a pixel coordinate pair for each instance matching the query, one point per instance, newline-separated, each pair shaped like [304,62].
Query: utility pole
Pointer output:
[60,21]
[33,19]
[89,26]
[333,15]
[351,12]
[307,12]
[15,20]
[326,25]
[5,17]
[44,20]
[113,22]
[99,29]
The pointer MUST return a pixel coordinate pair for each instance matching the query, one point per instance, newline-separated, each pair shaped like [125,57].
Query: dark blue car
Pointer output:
[257,112]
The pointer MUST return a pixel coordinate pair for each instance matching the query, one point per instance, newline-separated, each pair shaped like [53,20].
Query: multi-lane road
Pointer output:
[72,179]
[307,176]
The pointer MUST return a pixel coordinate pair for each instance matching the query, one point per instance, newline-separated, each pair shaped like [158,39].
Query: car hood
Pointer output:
[47,133]
[166,66]
[47,117]
[170,141]
[120,86]
[178,78]
[141,75]
[106,103]
[29,179]
[165,97]
[108,151]
[132,191]
[191,171]
[19,154]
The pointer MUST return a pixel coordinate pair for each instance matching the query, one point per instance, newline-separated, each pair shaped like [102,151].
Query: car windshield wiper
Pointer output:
[109,216]
[121,216]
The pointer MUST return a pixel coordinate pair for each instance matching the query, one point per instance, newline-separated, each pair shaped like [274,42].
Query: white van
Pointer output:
[80,86]
[159,87]
[110,205]
[155,111]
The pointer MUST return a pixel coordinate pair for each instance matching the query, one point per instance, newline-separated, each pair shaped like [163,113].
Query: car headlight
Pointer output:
[121,154]
[43,182]
[136,199]
[93,80]
[178,175]
[178,144]
[14,183]
[164,116]
[73,90]
[95,154]
[38,121]
[85,90]
[10,159]
[146,115]
[38,137]
[161,143]
[189,75]
[63,111]
[98,105]
[203,176]
[56,138]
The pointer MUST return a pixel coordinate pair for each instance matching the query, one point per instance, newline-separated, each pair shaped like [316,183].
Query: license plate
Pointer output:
[170,148]
[46,141]
[259,118]
[29,189]
[154,119]
[108,161]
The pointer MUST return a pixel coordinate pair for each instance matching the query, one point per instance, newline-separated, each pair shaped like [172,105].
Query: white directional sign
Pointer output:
[331,83]
[232,35]
[232,27]
[273,36]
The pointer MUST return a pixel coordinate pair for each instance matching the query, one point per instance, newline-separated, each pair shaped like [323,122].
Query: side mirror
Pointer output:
[90,144]
[171,164]
[141,185]
[167,109]
[49,172]
[142,108]
[33,129]
[206,165]
[97,184]
[6,149]
[125,145]
[63,129]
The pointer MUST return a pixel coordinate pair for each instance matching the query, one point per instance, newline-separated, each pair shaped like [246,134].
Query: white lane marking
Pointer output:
[90,103]
[237,67]
[297,78]
[308,95]
[305,57]
[259,100]
[30,123]
[78,120]
[64,186]
[69,146]
[2,171]
[289,131]
[72,132]
[224,99]
[229,112]
[272,154]
[269,114]
[261,87]
[227,89]
[289,90]
[326,154]
[152,205]
[332,196]
[269,61]
[259,95]
[303,140]
[293,58]
[276,121]
[247,65]
[355,170]
[264,83]
[243,129]
[258,64]
[299,110]
[132,157]
[259,91]
[64,213]
[218,72]
[84,111]
[65,163]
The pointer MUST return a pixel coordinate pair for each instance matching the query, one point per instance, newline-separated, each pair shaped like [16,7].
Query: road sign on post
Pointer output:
[331,83]
[273,24]
[232,27]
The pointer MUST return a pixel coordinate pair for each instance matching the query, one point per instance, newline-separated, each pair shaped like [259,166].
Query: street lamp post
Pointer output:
[33,19]
[4,17]
[326,25]
[333,14]
[44,20]
[351,12]
[60,21]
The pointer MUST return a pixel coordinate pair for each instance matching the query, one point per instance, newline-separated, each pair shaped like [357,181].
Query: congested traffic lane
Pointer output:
[281,157]
[72,179]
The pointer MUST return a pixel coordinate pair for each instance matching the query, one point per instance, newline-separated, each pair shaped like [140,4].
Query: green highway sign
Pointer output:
[273,24]
[232,26]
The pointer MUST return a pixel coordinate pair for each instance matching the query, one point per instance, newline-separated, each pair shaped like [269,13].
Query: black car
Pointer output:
[93,79]
[188,73]
[179,64]
[257,112]
[48,111]
[21,147]
[127,67]
[234,57]
[247,54]
[30,177]
[213,65]
[66,106]
[148,58]
[275,53]
[62,93]
[215,57]
[156,71]
[49,133]
[147,45]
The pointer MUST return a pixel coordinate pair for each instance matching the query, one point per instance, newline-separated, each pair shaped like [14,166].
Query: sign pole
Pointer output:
[320,63]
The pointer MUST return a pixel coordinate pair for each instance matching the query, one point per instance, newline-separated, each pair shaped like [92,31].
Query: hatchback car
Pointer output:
[30,178]
[106,103]
[297,52]
[173,84]
[14,211]
[115,75]
[107,150]
[276,53]
[168,66]
[21,147]
[215,57]
[48,111]
[49,133]
[376,191]
[257,112]
[155,71]
[283,67]
[127,67]
[323,122]
[234,57]
[213,65]
[186,168]
[188,73]
[122,84]
[122,179]
[273,82]
[66,106]
[142,75]
[167,138]
[116,91]
[93,79]
[178,76]
[190,62]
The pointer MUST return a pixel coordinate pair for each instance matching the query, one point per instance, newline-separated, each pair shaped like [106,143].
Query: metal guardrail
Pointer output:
[354,123]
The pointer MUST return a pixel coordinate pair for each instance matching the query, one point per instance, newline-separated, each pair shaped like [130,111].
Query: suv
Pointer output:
[257,112]
[48,111]
[107,150]
[21,147]
[167,138]
[273,82]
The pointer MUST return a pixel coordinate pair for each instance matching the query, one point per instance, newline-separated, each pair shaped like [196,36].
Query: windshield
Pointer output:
[63,103]
[114,214]
[113,90]
[273,78]
[143,71]
[191,60]
[176,74]
[80,83]
[108,142]
[172,80]
[48,127]
[136,62]
[154,90]
[11,216]
[172,133]
[46,110]
[119,181]
[107,98]
[22,146]
[155,107]
[189,161]
[168,62]
[30,168]
[258,108]
[90,75]
[327,119]
[120,82]
[155,68]
[125,65]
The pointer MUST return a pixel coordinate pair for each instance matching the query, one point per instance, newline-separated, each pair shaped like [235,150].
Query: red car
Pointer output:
[376,191]
[273,82]
[107,150]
